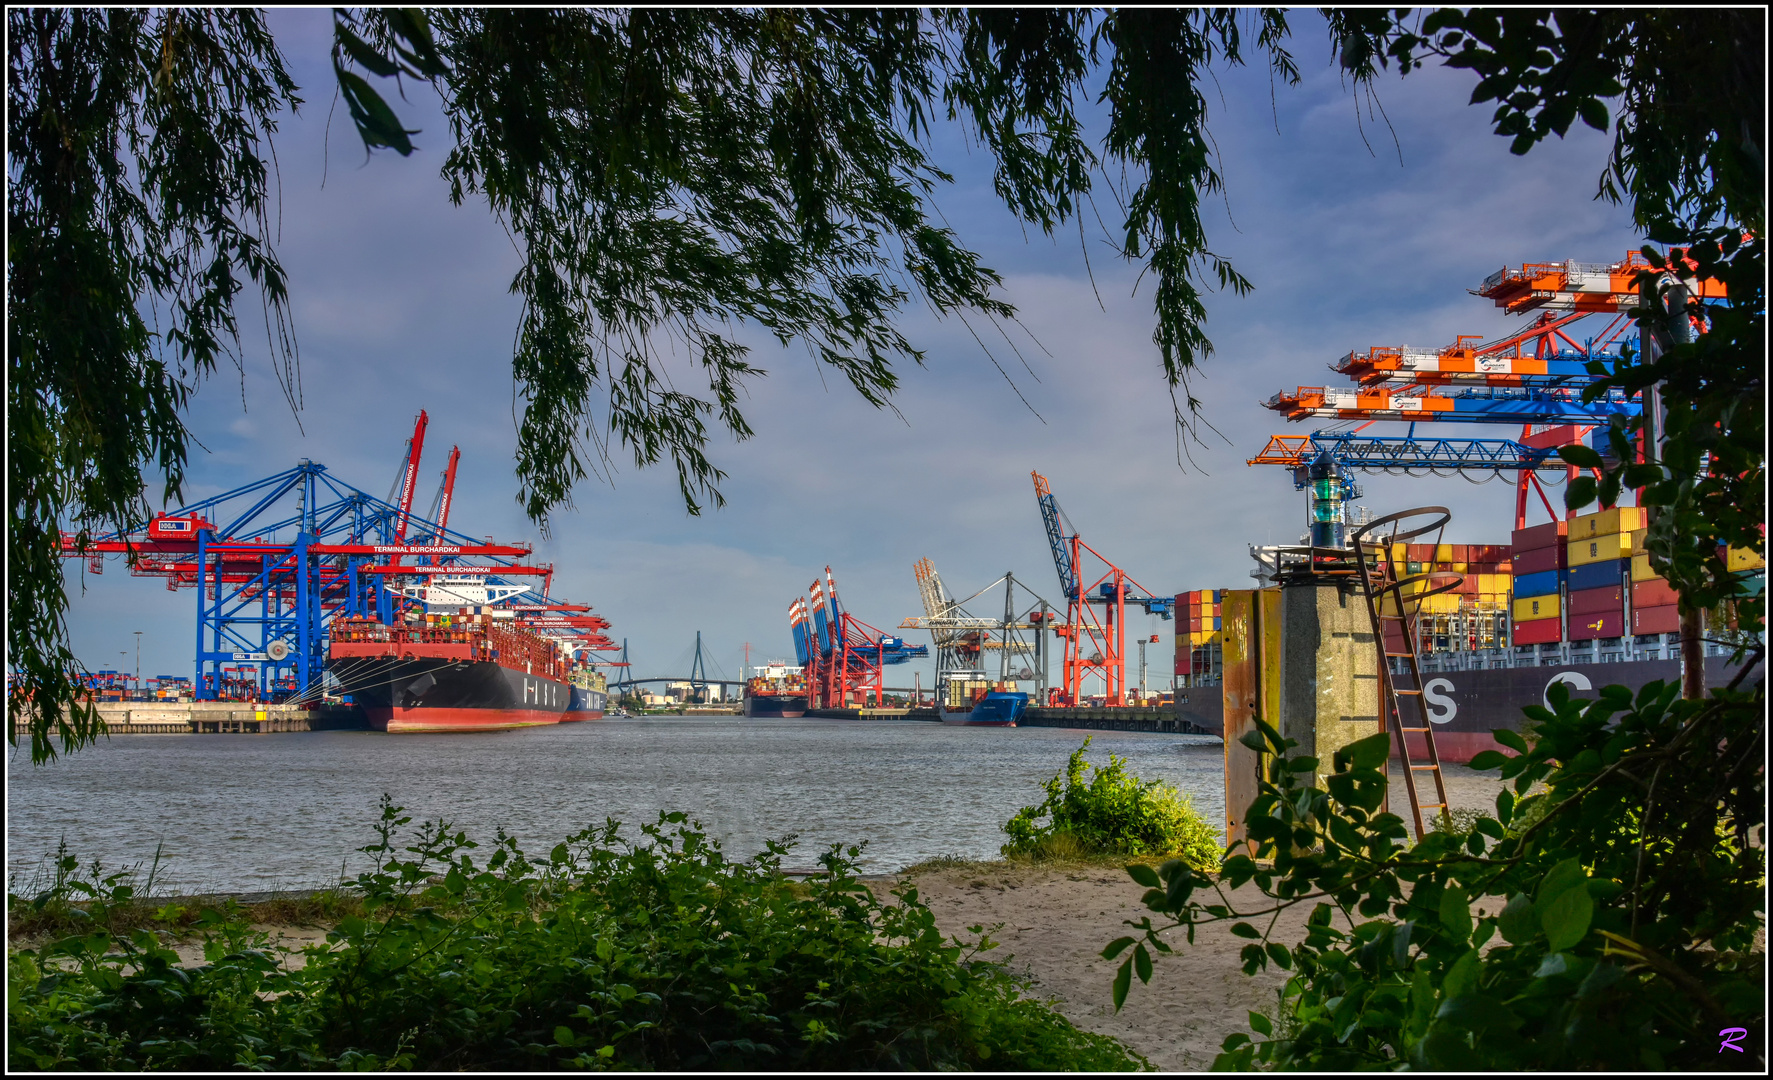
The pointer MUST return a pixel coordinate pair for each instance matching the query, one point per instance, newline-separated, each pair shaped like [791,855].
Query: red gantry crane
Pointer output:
[1095,646]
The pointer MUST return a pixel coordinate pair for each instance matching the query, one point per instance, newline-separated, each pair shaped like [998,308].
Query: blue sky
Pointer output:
[401,302]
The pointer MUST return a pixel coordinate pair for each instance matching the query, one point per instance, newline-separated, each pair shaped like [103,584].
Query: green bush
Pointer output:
[1112,814]
[1609,922]
[657,954]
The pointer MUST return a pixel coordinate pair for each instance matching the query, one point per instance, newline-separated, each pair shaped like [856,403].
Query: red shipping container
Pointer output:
[1588,627]
[1550,534]
[1194,620]
[1656,620]
[1652,594]
[1420,552]
[1539,560]
[1609,600]
[1536,631]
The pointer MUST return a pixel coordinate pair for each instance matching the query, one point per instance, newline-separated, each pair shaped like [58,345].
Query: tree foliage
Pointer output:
[1607,921]
[1610,920]
[1689,135]
[137,215]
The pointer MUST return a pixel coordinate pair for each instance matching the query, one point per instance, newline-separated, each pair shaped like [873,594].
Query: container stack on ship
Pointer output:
[776,690]
[469,671]
[1571,602]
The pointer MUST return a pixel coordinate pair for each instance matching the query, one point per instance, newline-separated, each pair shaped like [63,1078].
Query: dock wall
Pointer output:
[219,718]
[1107,719]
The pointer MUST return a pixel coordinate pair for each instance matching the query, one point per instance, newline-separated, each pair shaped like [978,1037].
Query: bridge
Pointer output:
[677,679]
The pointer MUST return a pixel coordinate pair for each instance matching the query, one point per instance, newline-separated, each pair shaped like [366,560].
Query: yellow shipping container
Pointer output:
[1599,548]
[1640,569]
[1441,604]
[1535,607]
[1400,551]
[1744,559]
[1458,567]
[1637,541]
[1443,553]
[1620,519]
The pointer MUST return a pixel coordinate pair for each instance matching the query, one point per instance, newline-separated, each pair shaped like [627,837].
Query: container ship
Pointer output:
[1571,602]
[466,672]
[590,694]
[777,691]
[1000,706]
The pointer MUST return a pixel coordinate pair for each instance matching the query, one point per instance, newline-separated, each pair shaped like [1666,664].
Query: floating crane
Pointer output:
[1095,646]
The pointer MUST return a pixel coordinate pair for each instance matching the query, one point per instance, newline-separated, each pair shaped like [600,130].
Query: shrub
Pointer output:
[656,954]
[1609,922]
[1114,813]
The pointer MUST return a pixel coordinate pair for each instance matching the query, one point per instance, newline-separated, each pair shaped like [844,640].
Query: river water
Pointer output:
[252,813]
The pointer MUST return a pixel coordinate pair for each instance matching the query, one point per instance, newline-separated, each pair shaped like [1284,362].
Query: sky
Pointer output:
[401,302]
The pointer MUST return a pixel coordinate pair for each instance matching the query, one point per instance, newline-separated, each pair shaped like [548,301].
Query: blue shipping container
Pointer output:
[1544,583]
[1598,575]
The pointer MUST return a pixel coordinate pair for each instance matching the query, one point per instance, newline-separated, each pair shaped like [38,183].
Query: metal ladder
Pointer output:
[1386,586]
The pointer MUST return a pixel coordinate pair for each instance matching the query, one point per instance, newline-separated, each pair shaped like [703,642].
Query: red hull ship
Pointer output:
[454,673]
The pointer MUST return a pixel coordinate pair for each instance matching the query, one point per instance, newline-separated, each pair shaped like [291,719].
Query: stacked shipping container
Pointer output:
[1198,635]
[1541,561]
[1599,548]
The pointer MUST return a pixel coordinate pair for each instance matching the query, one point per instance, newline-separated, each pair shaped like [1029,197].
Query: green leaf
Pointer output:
[1455,913]
[1245,930]
[1579,492]
[1487,759]
[1504,806]
[1462,977]
[559,854]
[1123,981]
[1593,113]
[1477,1012]
[1581,456]
[1370,752]
[1567,918]
[1559,878]
[1142,963]
[1143,874]
[1261,1024]
[1279,953]
[1181,885]
[1253,740]
[1511,739]
[563,1035]
[1116,947]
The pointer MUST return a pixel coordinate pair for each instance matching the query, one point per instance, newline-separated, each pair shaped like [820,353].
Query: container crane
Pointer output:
[1103,636]
[1534,377]
[267,603]
[961,639]
[846,657]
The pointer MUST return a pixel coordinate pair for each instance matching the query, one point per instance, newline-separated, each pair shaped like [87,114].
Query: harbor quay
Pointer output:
[217,718]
